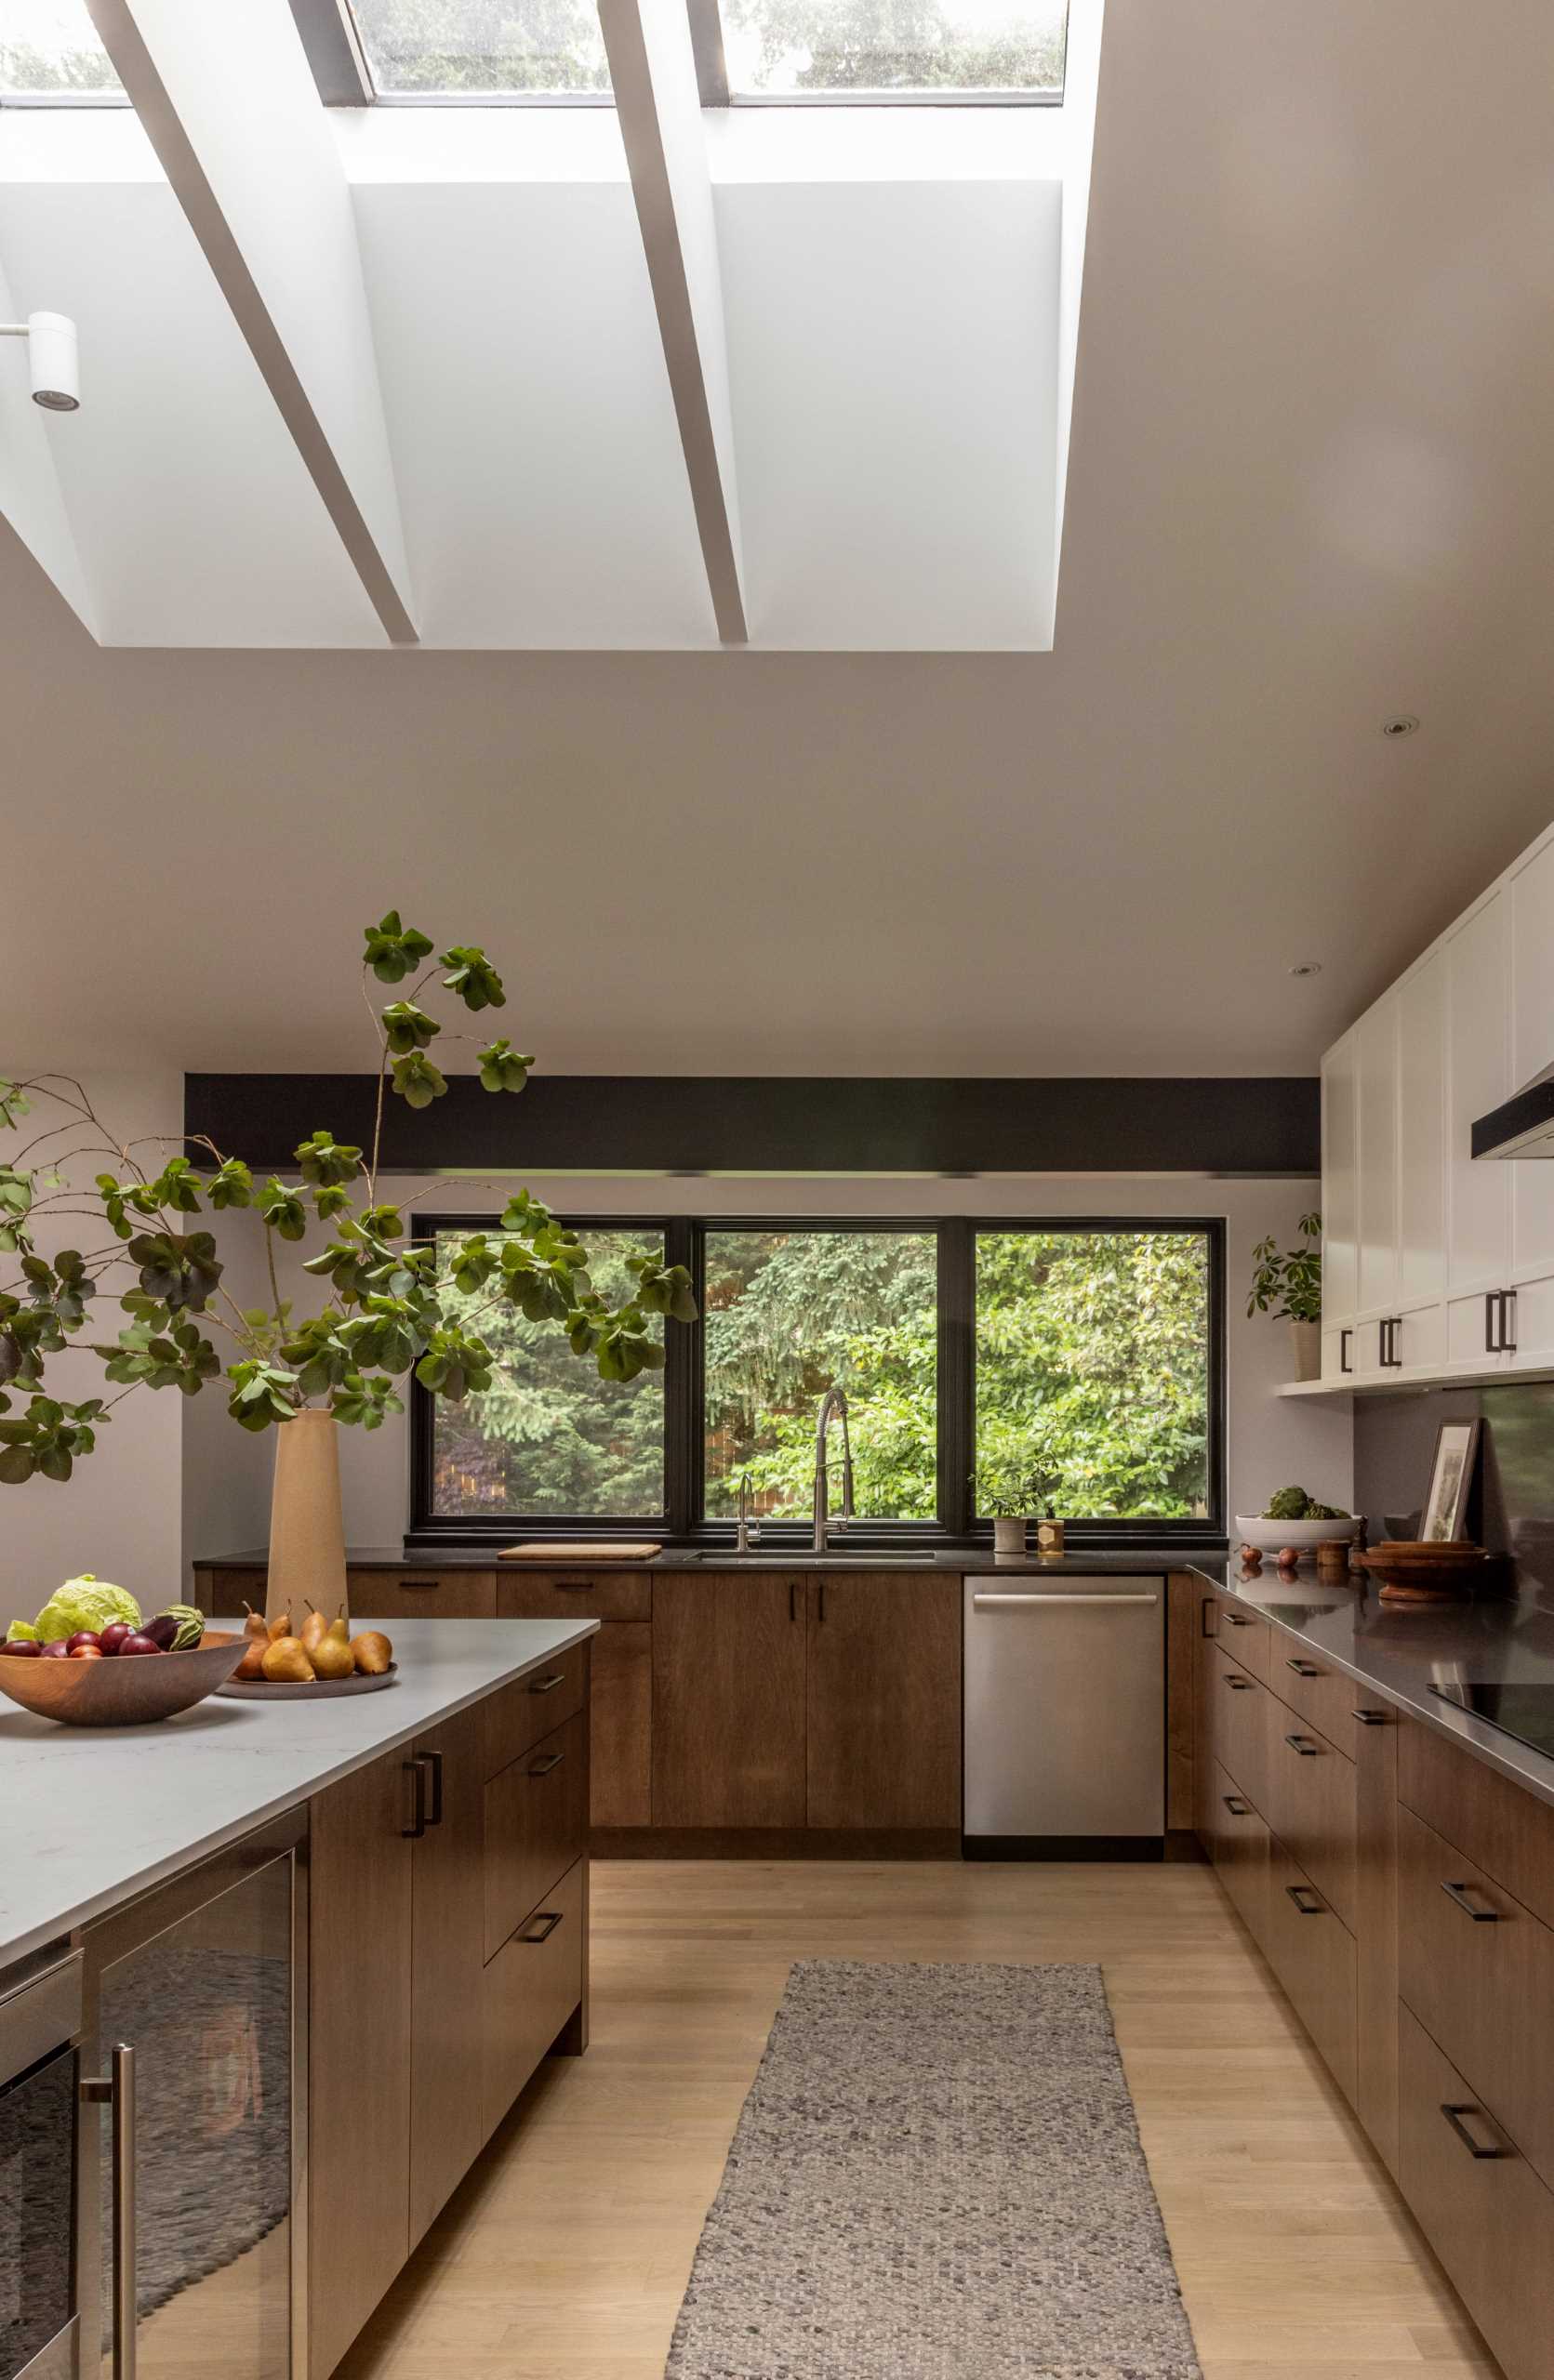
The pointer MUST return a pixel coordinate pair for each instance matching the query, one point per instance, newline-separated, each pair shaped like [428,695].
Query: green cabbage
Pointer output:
[20,1629]
[87,1602]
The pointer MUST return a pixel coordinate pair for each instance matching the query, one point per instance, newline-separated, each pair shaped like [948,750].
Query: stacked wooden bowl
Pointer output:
[1426,1573]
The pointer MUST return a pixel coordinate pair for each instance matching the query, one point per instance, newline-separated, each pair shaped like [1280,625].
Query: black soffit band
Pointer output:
[1228,1126]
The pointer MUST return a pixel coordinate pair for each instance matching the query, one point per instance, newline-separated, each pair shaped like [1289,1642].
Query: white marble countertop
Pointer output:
[96,1815]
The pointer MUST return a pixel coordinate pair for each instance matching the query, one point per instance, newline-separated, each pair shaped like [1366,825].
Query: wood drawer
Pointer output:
[536,1826]
[1315,1690]
[571,1594]
[1478,1971]
[1240,1708]
[529,1990]
[1313,1954]
[1484,2210]
[517,1715]
[221,1594]
[1241,1632]
[1240,1843]
[1504,1830]
[422,1594]
[1309,1802]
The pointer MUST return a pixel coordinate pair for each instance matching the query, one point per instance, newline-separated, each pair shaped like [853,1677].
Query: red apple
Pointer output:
[112,1636]
[135,1643]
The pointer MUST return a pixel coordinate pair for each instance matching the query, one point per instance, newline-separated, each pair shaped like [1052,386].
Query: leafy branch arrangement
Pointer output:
[1289,1280]
[1014,1496]
[391,1307]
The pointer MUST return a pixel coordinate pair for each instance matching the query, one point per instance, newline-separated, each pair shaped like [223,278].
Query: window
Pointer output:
[1086,1355]
[549,1436]
[1092,1369]
[49,52]
[909,49]
[792,1313]
[483,49]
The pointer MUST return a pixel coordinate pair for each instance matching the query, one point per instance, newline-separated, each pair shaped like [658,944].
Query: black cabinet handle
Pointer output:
[574,1586]
[1305,1669]
[1344,1363]
[820,1598]
[1237,1685]
[792,1599]
[415,1769]
[1507,1322]
[1312,1906]
[422,1586]
[1458,1896]
[1237,1808]
[547,1920]
[1208,1606]
[1388,1331]
[1303,1744]
[1492,1344]
[1370,1718]
[435,1762]
[549,1685]
[543,1767]
[1454,2115]
[1237,1619]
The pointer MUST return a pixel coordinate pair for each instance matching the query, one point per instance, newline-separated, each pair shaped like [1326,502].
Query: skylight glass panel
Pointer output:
[49,50]
[930,49]
[483,49]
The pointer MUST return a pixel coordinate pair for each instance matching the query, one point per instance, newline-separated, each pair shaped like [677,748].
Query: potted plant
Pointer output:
[1012,1499]
[389,1308]
[1289,1282]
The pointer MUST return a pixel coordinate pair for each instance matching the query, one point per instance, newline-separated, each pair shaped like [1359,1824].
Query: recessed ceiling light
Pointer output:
[1307,967]
[1402,723]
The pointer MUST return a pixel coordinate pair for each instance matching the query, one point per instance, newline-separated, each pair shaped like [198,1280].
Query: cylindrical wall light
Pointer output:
[52,359]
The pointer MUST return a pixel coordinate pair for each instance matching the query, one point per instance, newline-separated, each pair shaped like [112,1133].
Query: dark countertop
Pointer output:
[1395,1653]
[1142,1561]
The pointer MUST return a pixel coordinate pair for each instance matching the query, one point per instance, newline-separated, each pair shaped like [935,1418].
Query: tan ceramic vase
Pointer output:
[307,1531]
[1306,1338]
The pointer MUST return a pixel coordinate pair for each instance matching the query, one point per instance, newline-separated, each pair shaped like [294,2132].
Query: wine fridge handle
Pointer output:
[117,2092]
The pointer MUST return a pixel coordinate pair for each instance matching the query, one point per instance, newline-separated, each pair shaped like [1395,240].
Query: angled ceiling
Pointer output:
[1308,485]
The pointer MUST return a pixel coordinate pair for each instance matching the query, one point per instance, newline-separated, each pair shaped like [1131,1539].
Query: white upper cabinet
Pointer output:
[1422,1133]
[1532,957]
[1376,1075]
[1478,1072]
[1340,1249]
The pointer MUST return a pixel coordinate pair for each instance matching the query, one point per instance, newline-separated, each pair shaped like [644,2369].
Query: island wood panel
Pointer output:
[621,1724]
[535,1704]
[1376,1924]
[448,1909]
[884,1691]
[359,2051]
[728,1699]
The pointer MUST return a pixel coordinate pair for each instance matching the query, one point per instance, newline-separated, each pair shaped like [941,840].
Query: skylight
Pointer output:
[486,50]
[49,52]
[946,50]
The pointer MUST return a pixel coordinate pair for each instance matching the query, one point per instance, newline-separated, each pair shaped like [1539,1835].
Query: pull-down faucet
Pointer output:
[833,1402]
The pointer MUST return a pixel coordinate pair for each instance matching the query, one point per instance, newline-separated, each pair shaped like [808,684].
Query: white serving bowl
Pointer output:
[1271,1537]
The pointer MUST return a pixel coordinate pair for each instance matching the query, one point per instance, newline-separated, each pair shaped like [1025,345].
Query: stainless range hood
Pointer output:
[1520,1127]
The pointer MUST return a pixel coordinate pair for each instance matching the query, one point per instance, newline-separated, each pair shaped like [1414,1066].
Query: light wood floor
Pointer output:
[565,2254]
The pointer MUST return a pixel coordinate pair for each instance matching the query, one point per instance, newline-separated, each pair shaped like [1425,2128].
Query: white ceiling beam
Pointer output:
[226,99]
[653,68]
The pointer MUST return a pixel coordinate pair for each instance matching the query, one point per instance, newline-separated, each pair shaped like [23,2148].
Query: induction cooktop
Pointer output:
[1524,1711]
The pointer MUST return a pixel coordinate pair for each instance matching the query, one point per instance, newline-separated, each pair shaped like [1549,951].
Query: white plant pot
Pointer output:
[1009,1538]
[307,1531]
[1306,1339]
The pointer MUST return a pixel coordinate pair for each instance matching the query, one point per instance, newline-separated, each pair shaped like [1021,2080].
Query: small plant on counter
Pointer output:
[1011,1496]
[390,1309]
[1288,1282]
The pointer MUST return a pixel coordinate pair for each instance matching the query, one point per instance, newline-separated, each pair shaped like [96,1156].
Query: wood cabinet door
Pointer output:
[359,2050]
[728,1699]
[884,1699]
[622,1766]
[422,1594]
[447,1920]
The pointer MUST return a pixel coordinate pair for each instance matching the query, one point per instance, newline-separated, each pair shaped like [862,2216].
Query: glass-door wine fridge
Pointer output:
[190,2178]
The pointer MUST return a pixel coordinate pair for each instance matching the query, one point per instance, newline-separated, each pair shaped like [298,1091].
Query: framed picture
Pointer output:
[1456,1451]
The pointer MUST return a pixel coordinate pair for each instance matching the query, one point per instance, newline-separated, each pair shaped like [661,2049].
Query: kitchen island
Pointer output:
[337,1937]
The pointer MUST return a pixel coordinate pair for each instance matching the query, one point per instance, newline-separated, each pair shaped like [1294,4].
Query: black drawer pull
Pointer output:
[1303,1744]
[1237,1619]
[543,1767]
[1454,2115]
[549,1685]
[1458,1895]
[1313,1906]
[1237,1808]
[415,1769]
[1370,1718]
[547,1920]
[574,1586]
[1344,1363]
[1507,1322]
[1305,1669]
[1237,1685]
[1204,1619]
[435,1762]
[428,1586]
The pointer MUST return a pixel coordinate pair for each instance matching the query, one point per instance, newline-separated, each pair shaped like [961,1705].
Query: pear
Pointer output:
[312,1627]
[280,1626]
[372,1653]
[332,1656]
[257,1637]
[287,1659]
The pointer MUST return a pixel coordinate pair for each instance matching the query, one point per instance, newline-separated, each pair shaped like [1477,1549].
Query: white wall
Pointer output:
[1271,1442]
[119,1513]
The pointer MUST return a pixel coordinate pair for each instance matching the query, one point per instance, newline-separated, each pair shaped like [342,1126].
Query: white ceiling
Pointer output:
[1310,484]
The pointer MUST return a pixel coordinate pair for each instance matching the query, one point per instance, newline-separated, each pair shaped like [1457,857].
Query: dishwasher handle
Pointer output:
[985,1602]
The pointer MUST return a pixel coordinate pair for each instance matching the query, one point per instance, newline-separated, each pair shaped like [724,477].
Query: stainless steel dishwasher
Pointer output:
[1065,1718]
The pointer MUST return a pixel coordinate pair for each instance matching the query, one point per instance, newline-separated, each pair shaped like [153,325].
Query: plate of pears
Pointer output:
[322,1657]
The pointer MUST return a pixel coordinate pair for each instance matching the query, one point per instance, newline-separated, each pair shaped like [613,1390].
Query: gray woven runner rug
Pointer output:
[937,2175]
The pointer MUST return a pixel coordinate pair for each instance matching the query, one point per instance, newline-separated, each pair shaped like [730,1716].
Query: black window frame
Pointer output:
[956,1527]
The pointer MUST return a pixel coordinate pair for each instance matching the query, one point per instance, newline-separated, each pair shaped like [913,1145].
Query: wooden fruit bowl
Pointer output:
[1428,1573]
[119,1692]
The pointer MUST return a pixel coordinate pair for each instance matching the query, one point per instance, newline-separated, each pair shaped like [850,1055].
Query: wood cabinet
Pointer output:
[448,1906]
[1312,1952]
[1375,1922]
[1376,1177]
[422,1594]
[1307,1799]
[728,1699]
[883,1696]
[1340,1196]
[536,1826]
[531,1990]
[525,1593]
[359,2051]
[621,1731]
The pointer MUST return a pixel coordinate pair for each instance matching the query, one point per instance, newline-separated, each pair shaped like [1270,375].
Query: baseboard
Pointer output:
[1079,1848]
[774,1842]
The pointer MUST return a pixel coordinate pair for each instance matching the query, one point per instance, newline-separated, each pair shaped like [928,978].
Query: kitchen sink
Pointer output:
[802,1558]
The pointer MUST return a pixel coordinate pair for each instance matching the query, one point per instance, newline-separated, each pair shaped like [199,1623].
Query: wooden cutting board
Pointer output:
[557,1557]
